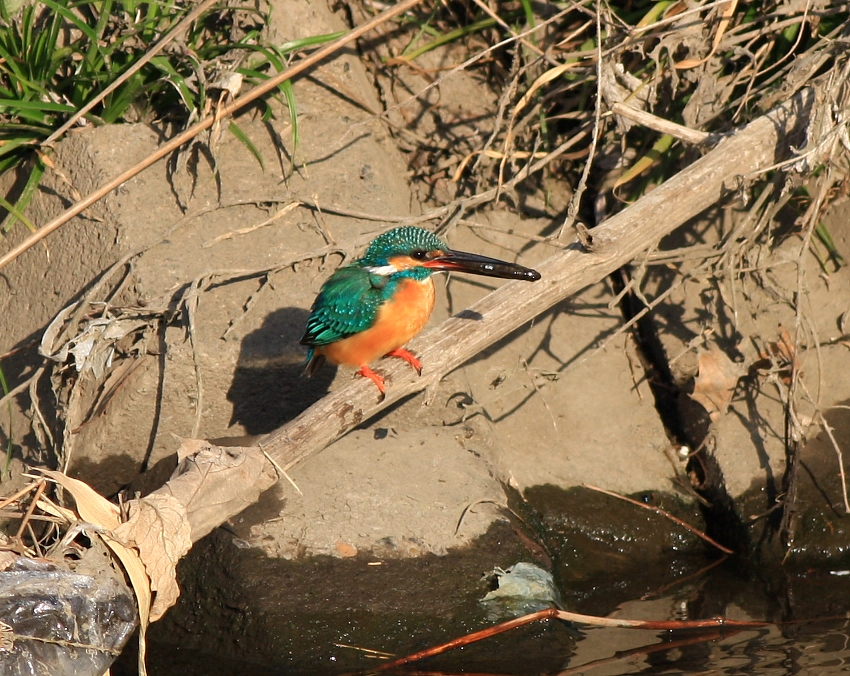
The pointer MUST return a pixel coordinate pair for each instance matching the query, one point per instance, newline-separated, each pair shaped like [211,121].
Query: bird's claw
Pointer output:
[401,353]
[366,372]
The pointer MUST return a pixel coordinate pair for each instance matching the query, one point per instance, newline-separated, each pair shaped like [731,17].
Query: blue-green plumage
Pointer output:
[349,300]
[400,242]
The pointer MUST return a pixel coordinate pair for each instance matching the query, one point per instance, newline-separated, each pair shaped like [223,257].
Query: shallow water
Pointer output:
[816,649]
[822,648]
[242,612]
[791,646]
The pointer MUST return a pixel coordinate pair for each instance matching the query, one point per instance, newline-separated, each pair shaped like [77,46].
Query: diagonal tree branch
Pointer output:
[708,181]
[622,237]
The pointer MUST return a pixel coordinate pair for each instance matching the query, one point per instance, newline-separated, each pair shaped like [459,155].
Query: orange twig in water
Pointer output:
[664,513]
[554,613]
[190,133]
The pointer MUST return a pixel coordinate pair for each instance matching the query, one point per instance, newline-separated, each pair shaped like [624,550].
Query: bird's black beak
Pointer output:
[461,261]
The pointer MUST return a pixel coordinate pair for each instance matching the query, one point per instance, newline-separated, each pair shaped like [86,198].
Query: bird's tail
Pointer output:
[314,362]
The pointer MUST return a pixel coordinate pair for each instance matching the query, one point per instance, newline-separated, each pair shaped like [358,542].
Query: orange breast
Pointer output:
[399,319]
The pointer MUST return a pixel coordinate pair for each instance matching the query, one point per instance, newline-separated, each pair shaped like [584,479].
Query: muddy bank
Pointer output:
[382,540]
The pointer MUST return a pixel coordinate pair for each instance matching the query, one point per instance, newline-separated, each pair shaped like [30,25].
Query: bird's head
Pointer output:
[419,253]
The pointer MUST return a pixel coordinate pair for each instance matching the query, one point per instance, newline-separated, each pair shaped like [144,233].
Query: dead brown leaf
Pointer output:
[781,356]
[91,506]
[783,349]
[158,527]
[725,18]
[714,385]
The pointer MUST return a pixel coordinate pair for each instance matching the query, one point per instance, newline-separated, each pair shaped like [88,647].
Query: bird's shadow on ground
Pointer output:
[269,387]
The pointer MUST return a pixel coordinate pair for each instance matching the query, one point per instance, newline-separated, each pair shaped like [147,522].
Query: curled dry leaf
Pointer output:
[548,76]
[715,383]
[725,18]
[780,356]
[190,447]
[91,505]
[158,527]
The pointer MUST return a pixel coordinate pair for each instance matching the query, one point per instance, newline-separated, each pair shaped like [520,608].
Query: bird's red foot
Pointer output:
[409,358]
[366,372]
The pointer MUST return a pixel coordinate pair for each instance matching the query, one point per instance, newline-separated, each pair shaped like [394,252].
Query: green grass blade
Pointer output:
[17,213]
[661,146]
[46,106]
[24,132]
[451,36]
[424,28]
[825,237]
[237,131]
[9,162]
[9,147]
[68,15]
[26,194]
[176,80]
[116,104]
[529,19]
[11,66]
[312,41]
[654,14]
[289,95]
[271,57]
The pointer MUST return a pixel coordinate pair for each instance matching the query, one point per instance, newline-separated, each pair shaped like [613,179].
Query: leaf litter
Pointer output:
[716,381]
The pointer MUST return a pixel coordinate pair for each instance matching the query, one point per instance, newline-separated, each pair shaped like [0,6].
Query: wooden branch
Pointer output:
[663,126]
[709,180]
[617,241]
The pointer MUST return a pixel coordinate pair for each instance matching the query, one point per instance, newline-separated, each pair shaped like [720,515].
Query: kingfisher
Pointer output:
[375,305]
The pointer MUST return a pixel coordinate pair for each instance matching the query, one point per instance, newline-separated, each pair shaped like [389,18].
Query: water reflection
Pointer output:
[822,648]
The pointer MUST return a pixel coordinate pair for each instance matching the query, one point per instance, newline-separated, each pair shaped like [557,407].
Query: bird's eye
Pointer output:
[419,254]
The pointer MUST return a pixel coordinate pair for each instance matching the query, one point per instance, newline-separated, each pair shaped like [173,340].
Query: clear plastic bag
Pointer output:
[57,622]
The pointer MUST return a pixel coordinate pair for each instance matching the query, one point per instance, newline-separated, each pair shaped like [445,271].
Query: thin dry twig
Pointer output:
[663,126]
[19,494]
[664,513]
[41,485]
[575,200]
[832,439]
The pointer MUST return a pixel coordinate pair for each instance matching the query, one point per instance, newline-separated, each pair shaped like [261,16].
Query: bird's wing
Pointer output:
[347,304]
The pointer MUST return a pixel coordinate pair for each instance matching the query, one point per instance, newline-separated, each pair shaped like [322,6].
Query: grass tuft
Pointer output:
[58,55]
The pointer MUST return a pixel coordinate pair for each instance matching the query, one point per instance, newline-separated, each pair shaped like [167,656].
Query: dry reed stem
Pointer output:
[665,514]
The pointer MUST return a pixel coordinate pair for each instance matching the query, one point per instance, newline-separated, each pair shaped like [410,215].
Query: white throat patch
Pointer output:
[383,270]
